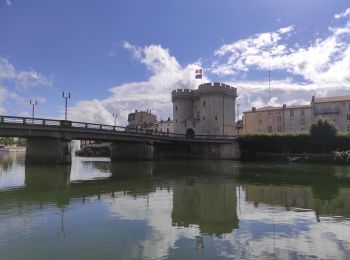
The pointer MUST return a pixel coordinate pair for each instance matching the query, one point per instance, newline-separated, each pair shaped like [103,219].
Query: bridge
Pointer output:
[48,141]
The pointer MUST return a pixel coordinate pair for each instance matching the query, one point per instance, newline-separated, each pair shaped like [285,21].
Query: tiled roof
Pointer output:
[332,99]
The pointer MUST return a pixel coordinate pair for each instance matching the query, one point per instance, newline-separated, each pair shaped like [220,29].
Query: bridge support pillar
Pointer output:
[131,151]
[48,150]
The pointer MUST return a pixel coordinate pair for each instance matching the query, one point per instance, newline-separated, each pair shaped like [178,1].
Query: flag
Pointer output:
[199,74]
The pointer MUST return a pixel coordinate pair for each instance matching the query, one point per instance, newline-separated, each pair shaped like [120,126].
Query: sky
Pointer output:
[118,56]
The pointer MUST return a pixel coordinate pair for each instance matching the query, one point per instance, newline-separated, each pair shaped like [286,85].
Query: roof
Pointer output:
[332,99]
[271,108]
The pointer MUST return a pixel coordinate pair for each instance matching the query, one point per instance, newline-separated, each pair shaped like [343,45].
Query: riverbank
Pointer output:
[318,158]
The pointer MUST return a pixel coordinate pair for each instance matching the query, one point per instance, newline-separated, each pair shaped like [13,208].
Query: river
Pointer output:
[175,209]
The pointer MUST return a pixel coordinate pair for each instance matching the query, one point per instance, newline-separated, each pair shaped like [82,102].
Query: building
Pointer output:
[208,110]
[334,109]
[291,119]
[141,119]
[285,119]
[163,126]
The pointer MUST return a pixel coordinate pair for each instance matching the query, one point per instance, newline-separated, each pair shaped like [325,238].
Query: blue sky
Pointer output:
[117,56]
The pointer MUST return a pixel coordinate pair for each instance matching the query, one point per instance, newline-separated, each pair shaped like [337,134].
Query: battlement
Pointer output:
[217,88]
[183,93]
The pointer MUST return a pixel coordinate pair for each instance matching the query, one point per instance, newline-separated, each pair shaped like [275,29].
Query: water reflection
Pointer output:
[174,209]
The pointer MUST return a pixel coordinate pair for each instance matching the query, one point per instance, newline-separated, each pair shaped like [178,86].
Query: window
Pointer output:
[279,128]
[269,129]
[348,116]
[203,117]
[175,108]
[175,120]
[260,119]
[216,118]
[167,130]
[291,113]
[302,121]
[204,103]
[302,112]
[348,128]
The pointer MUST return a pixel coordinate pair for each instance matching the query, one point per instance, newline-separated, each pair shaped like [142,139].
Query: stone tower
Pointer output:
[208,110]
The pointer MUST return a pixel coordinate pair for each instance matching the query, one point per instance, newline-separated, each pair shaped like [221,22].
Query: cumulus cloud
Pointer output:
[13,80]
[22,79]
[166,74]
[326,60]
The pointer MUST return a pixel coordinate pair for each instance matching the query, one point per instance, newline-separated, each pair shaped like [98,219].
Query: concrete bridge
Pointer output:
[48,141]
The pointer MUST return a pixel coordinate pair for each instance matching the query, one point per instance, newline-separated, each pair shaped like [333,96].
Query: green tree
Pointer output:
[323,133]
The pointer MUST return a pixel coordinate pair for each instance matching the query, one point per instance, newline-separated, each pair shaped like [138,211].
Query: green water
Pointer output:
[95,209]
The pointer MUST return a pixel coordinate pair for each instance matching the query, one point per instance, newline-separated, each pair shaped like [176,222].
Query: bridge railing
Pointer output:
[102,127]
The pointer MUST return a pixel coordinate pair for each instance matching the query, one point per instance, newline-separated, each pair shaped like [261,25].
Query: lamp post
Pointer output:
[115,115]
[33,103]
[66,101]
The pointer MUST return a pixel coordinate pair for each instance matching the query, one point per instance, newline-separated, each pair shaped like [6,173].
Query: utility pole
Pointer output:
[66,99]
[33,103]
[115,115]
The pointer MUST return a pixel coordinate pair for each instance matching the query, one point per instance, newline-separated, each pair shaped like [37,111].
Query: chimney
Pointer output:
[150,111]
[253,109]
[284,106]
[135,110]
[313,99]
[168,118]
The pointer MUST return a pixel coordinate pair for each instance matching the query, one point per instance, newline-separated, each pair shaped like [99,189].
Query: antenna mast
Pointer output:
[269,80]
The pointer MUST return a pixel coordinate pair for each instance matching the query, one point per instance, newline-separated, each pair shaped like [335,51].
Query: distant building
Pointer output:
[335,109]
[291,119]
[163,126]
[141,119]
[285,119]
[208,110]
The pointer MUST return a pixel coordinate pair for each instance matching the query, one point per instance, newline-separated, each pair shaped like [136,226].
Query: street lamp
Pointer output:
[115,115]
[33,103]
[66,98]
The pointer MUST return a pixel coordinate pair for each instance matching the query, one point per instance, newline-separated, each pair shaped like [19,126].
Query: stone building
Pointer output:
[289,119]
[141,119]
[208,110]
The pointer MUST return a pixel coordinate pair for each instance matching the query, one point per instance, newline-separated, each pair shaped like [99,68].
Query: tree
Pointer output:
[323,133]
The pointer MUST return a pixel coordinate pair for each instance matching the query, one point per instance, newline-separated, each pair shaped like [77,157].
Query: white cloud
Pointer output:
[8,2]
[344,14]
[22,79]
[166,74]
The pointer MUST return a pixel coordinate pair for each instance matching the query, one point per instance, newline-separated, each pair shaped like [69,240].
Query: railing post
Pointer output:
[44,121]
[100,127]
[24,121]
[86,125]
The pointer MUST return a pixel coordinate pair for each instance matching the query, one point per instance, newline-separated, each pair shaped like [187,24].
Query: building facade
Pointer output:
[292,119]
[163,127]
[335,109]
[285,119]
[208,110]
[141,119]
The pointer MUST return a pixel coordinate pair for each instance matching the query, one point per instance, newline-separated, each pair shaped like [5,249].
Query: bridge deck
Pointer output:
[11,126]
